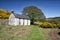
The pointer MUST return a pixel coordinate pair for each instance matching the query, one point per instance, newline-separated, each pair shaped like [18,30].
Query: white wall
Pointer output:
[16,21]
[25,22]
[21,21]
[28,22]
[11,19]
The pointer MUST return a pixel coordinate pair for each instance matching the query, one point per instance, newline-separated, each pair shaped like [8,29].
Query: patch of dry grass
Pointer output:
[51,33]
[21,33]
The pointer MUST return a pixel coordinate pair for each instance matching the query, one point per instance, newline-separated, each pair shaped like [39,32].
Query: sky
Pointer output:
[50,8]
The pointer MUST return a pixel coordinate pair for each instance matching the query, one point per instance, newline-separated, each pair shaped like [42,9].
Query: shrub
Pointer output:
[47,25]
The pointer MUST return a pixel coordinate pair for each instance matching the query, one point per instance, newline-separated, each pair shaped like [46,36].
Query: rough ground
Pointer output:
[51,33]
[32,32]
[24,31]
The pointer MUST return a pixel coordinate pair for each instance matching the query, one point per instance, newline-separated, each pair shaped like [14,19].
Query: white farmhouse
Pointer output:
[16,19]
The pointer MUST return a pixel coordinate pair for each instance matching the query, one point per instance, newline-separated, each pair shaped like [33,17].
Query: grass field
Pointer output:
[21,33]
[32,32]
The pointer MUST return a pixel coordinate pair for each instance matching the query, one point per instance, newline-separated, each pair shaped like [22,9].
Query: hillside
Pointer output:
[4,14]
[54,19]
[31,32]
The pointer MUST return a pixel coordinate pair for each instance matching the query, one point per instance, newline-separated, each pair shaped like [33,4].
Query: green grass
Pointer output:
[36,34]
[8,33]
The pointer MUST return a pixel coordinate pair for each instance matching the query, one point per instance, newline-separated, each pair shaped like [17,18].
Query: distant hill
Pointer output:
[4,14]
[54,19]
